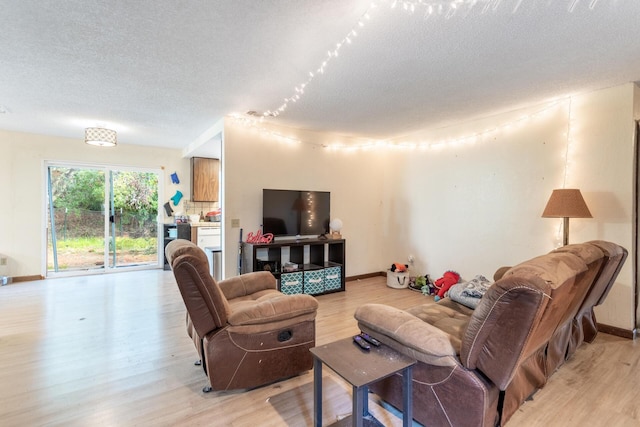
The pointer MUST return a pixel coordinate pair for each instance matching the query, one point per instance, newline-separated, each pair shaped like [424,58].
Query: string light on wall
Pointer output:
[424,145]
[256,125]
[464,140]
[567,157]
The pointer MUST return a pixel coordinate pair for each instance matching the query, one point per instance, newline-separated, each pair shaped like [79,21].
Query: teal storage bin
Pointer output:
[332,278]
[314,282]
[291,283]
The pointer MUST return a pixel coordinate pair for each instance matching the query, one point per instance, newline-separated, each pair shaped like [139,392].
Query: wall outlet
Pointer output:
[3,260]
[235,223]
[411,259]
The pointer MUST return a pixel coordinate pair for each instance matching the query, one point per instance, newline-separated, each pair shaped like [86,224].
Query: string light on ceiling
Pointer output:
[253,124]
[573,4]
[447,8]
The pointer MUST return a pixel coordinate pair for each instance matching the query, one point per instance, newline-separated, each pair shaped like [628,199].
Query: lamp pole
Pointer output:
[565,231]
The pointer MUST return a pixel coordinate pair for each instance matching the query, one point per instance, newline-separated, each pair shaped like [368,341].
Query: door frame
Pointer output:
[107,168]
[636,235]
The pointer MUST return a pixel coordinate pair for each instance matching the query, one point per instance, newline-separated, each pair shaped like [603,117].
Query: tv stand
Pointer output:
[307,265]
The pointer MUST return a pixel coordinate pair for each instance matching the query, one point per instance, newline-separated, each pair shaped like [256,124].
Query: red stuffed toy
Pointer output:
[443,284]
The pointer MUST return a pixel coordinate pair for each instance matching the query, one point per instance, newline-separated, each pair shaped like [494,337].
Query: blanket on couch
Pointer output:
[469,293]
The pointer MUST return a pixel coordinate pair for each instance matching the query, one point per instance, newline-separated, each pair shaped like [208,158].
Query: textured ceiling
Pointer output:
[162,72]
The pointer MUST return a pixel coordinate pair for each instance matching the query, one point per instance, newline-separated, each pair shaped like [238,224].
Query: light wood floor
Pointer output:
[112,350]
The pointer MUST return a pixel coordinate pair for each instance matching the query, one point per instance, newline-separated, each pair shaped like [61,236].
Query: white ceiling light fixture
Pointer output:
[101,137]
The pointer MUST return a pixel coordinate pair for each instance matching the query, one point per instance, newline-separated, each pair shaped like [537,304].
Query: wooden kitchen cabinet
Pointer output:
[205,179]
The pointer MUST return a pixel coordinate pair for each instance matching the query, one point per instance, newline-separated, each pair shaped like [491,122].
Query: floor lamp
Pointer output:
[566,203]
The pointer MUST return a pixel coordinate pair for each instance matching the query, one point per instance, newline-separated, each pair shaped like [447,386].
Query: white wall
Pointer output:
[604,170]
[469,207]
[253,161]
[22,186]
[475,206]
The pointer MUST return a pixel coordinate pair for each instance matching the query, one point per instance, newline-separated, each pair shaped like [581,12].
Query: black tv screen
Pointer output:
[295,212]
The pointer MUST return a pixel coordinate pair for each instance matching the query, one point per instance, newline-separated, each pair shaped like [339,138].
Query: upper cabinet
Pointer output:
[205,182]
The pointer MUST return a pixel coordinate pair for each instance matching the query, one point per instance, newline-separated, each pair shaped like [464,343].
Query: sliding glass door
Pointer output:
[101,219]
[133,225]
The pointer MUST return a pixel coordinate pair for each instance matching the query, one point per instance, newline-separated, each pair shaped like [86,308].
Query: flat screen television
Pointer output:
[295,212]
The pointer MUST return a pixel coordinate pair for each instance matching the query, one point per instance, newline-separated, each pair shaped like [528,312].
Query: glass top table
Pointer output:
[360,368]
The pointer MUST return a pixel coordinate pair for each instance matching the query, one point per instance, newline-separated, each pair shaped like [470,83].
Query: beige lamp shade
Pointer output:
[566,203]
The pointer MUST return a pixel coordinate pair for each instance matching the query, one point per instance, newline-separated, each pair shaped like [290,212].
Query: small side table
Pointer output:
[361,368]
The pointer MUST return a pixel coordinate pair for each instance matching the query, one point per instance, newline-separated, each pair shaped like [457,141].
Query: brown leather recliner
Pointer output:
[247,333]
[604,260]
[476,367]
[585,327]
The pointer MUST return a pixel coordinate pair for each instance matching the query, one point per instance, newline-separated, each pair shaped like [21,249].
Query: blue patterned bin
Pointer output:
[314,282]
[332,278]
[291,283]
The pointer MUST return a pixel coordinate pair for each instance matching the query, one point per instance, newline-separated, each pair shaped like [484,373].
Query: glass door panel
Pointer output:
[133,212]
[75,231]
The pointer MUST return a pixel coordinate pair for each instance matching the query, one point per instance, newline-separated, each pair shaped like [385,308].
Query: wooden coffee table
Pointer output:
[361,368]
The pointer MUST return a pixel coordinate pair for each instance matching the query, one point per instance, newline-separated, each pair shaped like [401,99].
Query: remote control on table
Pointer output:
[371,340]
[362,343]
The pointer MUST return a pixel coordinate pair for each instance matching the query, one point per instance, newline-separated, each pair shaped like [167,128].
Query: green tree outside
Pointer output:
[78,204]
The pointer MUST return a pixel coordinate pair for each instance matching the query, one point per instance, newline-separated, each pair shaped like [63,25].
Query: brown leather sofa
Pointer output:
[246,332]
[476,367]
[584,325]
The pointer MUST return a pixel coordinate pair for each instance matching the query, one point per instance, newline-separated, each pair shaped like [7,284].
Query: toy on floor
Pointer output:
[443,284]
[428,288]
[398,276]
[400,268]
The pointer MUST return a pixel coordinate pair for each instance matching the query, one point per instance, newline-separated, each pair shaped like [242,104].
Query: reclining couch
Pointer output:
[476,367]
[245,331]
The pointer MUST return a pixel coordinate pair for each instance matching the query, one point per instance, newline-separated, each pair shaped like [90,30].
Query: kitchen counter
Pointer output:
[205,224]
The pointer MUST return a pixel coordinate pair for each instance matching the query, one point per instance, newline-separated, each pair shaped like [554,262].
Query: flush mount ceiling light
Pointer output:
[101,137]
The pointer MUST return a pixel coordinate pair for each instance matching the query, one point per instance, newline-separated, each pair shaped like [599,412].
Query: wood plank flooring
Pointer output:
[111,350]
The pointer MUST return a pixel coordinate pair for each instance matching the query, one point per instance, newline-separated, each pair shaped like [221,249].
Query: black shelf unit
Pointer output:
[320,264]
[183,232]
